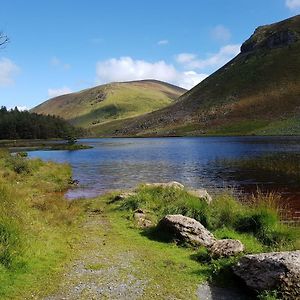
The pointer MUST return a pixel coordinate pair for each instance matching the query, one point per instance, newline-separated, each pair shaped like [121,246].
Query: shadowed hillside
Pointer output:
[111,102]
[258,92]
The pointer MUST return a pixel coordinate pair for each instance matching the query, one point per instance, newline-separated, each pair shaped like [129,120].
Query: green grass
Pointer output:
[289,126]
[36,225]
[123,103]
[244,127]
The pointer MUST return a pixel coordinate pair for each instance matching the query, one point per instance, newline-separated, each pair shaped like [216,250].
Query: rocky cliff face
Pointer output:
[271,40]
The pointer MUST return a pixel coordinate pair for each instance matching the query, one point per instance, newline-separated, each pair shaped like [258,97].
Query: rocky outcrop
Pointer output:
[171,184]
[141,219]
[226,248]
[186,230]
[269,271]
[202,194]
[271,40]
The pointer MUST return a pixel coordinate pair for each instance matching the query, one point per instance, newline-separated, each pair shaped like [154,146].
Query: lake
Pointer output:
[120,163]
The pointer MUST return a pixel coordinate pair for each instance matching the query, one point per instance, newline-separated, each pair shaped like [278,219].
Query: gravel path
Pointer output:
[93,276]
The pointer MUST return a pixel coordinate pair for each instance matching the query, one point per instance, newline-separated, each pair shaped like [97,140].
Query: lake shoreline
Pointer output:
[91,237]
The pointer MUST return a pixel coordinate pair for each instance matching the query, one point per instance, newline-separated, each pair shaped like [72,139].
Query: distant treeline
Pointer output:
[15,124]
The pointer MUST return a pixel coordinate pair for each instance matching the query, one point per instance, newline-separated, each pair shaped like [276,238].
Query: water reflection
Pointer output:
[124,163]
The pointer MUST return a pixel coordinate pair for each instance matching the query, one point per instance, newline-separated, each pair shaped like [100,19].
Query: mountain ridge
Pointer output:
[251,94]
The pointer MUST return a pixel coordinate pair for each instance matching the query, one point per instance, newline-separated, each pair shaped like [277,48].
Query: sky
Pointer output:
[63,46]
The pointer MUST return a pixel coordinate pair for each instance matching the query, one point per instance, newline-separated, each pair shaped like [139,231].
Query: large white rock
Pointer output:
[269,271]
[186,230]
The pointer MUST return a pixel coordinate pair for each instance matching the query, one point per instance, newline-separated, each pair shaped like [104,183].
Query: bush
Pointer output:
[18,164]
[257,222]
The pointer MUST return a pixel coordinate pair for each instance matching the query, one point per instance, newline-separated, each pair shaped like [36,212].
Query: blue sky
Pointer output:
[59,46]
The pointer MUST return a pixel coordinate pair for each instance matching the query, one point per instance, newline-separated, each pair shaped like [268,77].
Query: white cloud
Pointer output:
[8,70]
[56,62]
[221,33]
[292,4]
[191,61]
[163,42]
[127,69]
[59,91]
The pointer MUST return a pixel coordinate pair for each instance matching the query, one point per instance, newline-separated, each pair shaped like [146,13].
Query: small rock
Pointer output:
[172,184]
[226,248]
[202,194]
[141,218]
[186,230]
[269,271]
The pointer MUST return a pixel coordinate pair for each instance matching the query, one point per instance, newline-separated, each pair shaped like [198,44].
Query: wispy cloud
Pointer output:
[192,62]
[56,62]
[293,4]
[8,71]
[127,68]
[221,33]
[163,42]
[59,91]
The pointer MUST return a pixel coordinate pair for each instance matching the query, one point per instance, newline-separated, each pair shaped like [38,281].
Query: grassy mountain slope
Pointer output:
[111,102]
[258,92]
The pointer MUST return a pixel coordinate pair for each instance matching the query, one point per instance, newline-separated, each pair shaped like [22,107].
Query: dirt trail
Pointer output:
[93,275]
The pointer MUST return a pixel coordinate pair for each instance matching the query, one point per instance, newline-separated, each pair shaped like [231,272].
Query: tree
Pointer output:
[3,39]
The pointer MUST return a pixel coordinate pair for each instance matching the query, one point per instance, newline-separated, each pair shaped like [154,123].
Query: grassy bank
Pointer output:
[257,224]
[31,145]
[36,226]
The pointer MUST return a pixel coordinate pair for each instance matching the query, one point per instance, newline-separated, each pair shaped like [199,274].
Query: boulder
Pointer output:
[172,184]
[269,271]
[141,219]
[186,230]
[226,248]
[202,194]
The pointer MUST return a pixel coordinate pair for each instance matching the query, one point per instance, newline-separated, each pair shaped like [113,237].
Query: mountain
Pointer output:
[113,101]
[258,92]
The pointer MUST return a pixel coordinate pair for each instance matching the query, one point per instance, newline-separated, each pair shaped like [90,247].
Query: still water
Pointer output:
[118,163]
